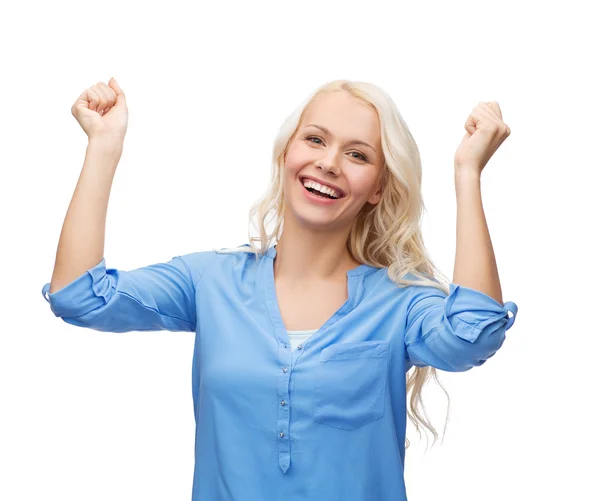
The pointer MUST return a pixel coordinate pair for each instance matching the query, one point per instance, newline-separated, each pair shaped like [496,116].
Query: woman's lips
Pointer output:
[317,198]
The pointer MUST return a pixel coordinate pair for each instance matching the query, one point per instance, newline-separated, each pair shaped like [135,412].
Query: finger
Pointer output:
[471,123]
[496,108]
[487,111]
[116,87]
[111,95]
[93,99]
[108,94]
[103,97]
[479,114]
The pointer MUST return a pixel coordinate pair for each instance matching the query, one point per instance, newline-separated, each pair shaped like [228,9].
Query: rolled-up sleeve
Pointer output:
[455,332]
[156,297]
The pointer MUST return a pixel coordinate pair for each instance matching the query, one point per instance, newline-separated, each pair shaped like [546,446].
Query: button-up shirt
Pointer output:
[324,420]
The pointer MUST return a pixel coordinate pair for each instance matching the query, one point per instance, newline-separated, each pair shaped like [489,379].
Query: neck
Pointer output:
[305,255]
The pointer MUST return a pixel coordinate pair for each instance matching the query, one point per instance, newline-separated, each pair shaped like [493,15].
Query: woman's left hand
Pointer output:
[485,133]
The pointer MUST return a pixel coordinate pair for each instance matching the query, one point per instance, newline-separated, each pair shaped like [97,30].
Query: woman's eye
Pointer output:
[360,155]
[310,138]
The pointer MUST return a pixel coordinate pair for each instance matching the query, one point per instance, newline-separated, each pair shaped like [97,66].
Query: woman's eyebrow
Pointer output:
[354,141]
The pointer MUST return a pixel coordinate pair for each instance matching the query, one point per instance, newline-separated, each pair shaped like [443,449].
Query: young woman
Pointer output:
[304,344]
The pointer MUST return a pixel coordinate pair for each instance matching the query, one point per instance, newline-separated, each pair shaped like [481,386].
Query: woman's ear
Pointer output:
[376,197]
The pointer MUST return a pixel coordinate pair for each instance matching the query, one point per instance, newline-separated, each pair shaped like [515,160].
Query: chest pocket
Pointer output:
[350,383]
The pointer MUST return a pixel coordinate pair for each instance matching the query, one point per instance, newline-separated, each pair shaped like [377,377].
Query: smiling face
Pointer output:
[338,143]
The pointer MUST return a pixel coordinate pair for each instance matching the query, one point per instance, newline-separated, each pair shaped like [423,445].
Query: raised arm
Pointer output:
[83,291]
[465,328]
[81,243]
[102,113]
[475,263]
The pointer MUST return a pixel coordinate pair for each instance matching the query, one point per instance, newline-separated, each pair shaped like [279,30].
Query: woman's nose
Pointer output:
[328,167]
[328,163]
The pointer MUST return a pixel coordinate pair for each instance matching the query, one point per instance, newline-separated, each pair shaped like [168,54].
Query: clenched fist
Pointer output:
[102,112]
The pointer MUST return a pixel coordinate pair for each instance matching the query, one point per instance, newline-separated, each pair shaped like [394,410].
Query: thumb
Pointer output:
[112,83]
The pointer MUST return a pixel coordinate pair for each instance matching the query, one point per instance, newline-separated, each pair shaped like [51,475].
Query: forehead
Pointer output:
[344,115]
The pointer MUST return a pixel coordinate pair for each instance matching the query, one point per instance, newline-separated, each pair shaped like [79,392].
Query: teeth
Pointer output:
[319,187]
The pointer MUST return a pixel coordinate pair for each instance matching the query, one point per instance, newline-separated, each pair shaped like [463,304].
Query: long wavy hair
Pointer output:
[387,234]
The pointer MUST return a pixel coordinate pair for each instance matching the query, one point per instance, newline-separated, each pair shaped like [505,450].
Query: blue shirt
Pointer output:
[323,421]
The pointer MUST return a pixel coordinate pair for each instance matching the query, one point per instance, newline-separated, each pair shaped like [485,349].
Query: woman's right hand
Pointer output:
[102,112]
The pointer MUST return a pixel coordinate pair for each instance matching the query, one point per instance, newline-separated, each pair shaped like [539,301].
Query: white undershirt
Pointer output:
[298,337]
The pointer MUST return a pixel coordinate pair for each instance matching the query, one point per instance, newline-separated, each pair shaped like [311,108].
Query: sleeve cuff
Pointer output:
[87,292]
[469,311]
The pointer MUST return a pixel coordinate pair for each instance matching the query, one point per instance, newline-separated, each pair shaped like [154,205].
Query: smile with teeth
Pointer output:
[320,190]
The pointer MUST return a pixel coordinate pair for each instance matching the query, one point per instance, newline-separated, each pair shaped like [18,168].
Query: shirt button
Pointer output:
[281,434]
[285,369]
[299,346]
[283,402]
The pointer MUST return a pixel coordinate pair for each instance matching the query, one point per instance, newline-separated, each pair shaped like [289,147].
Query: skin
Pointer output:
[475,262]
[312,246]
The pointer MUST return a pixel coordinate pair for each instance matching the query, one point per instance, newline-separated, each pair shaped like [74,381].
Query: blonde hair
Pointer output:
[387,234]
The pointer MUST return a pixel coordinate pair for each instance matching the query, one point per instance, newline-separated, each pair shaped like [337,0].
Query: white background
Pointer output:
[95,416]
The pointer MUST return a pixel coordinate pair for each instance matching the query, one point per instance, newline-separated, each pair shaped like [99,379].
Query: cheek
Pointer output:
[293,160]
[362,185]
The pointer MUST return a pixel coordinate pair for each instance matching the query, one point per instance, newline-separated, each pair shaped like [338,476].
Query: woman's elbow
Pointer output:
[446,350]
